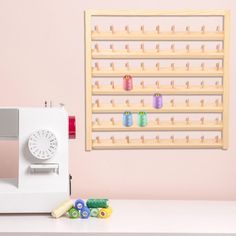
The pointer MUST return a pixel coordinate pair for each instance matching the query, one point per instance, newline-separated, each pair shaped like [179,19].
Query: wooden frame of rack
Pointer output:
[157,71]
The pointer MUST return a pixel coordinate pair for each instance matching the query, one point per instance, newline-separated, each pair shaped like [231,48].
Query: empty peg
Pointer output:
[217,102]
[172,47]
[187,85]
[202,120]
[142,139]
[218,47]
[142,84]
[172,102]
[112,103]
[202,84]
[157,84]
[96,47]
[142,29]
[157,47]
[97,139]
[187,29]
[97,84]
[187,66]
[97,102]
[142,47]
[112,29]
[187,139]
[127,66]
[172,84]
[187,120]
[157,139]
[203,66]
[127,139]
[202,102]
[217,84]
[217,66]
[172,120]
[127,29]
[97,66]
[217,139]
[142,66]
[112,121]
[142,102]
[187,102]
[112,66]
[172,66]
[203,28]
[158,66]
[97,121]
[112,85]
[217,28]
[172,29]
[127,103]
[187,47]
[202,139]
[96,29]
[157,121]
[203,48]
[112,47]
[172,138]
[158,29]
[127,48]
[112,139]
[217,121]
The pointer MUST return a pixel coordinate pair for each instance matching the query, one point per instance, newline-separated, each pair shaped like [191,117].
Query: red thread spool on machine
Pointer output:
[72,127]
[127,82]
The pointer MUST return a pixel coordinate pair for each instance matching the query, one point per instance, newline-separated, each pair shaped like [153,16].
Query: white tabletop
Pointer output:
[135,216]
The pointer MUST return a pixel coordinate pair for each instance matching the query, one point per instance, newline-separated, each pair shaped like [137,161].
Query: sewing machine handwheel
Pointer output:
[42,144]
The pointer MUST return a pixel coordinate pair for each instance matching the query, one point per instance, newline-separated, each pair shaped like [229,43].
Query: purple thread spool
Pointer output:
[157,101]
[127,82]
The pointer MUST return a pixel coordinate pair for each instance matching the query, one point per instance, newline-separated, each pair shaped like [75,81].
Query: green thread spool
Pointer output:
[94,212]
[73,213]
[97,203]
[142,118]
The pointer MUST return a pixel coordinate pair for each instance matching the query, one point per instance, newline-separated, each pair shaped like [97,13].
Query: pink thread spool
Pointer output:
[157,101]
[127,82]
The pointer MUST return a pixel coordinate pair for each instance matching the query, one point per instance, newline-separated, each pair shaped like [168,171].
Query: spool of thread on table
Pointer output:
[62,209]
[94,212]
[142,118]
[127,119]
[97,203]
[157,101]
[79,204]
[105,212]
[127,82]
[73,213]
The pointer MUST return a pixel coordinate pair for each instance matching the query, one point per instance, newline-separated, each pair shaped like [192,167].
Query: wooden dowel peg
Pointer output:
[157,84]
[172,84]
[158,66]
[172,102]
[142,66]
[187,48]
[96,47]
[142,47]
[203,48]
[172,120]
[203,29]
[97,66]
[157,139]
[112,85]
[202,120]
[202,84]
[172,66]
[157,47]
[112,103]
[187,85]
[187,102]
[127,66]
[142,102]
[202,139]
[97,121]
[217,28]
[96,29]
[158,121]
[127,48]
[142,29]
[97,84]
[172,29]
[112,66]
[172,47]
[97,102]
[187,29]
[202,102]
[97,139]
[127,103]
[158,29]
[112,139]
[112,121]
[218,47]
[112,47]
[217,66]
[187,66]
[217,84]
[142,139]
[112,29]
[172,139]
[217,139]
[217,121]
[203,66]
[217,102]
[127,29]
[142,84]
[187,120]
[187,139]
[127,139]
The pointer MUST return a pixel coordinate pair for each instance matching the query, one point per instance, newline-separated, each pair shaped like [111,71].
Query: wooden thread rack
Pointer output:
[95,70]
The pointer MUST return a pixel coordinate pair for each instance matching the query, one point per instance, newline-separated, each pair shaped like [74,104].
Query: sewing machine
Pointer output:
[43,179]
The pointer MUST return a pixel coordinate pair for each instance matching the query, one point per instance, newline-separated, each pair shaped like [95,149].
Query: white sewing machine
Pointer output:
[43,178]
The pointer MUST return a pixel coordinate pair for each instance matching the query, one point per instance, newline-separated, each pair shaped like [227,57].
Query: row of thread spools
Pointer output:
[157,103]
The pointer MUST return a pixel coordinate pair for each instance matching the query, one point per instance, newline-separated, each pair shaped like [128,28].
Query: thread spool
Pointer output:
[97,203]
[127,119]
[79,204]
[127,82]
[94,212]
[85,212]
[157,101]
[62,209]
[142,118]
[73,213]
[105,212]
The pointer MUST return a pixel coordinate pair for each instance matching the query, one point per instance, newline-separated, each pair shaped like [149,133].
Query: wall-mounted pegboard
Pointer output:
[181,55]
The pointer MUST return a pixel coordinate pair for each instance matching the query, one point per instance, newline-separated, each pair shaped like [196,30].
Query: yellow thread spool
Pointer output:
[105,212]
[62,209]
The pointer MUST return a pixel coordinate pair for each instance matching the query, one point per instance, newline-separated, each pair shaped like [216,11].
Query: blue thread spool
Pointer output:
[127,119]
[142,118]
[157,101]
[85,213]
[79,204]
